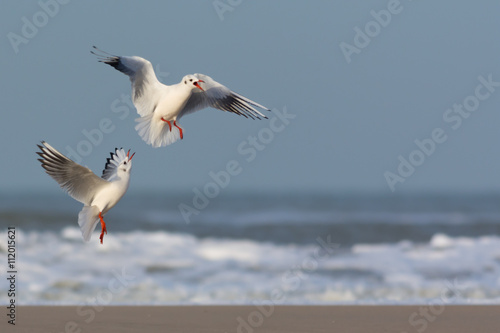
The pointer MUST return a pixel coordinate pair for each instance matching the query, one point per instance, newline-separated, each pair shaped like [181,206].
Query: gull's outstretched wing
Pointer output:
[220,97]
[80,182]
[146,89]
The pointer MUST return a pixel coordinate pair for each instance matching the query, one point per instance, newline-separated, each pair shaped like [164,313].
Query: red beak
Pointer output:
[130,157]
[198,85]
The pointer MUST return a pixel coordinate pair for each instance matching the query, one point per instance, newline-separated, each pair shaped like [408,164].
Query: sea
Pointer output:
[256,248]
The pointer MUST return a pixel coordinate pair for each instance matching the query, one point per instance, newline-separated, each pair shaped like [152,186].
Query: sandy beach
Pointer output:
[248,319]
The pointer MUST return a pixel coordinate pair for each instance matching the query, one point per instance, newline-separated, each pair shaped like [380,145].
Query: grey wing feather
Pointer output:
[146,89]
[220,97]
[80,182]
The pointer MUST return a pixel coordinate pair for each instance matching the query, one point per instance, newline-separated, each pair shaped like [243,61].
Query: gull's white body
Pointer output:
[98,194]
[172,100]
[160,104]
[109,195]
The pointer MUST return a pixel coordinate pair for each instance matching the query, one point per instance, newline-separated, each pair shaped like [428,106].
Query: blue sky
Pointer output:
[382,96]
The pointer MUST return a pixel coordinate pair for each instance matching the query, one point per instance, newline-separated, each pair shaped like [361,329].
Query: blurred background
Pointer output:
[381,143]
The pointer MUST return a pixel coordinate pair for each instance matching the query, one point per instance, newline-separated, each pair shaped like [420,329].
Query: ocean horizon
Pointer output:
[248,248]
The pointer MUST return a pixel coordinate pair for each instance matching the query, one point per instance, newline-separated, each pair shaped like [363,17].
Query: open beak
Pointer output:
[197,84]
[128,155]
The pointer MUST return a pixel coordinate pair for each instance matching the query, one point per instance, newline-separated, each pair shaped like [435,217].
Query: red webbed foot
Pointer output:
[169,124]
[180,130]
[103,227]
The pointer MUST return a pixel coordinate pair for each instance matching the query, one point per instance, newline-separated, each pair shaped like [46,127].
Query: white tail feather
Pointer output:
[87,220]
[156,132]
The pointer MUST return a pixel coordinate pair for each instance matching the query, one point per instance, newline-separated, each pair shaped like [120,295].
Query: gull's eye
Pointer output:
[125,162]
[185,82]
[190,80]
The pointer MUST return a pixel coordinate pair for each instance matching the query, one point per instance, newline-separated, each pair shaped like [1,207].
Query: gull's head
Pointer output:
[126,164]
[118,166]
[192,82]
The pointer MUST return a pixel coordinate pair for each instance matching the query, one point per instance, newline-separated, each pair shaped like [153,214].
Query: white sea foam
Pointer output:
[171,268]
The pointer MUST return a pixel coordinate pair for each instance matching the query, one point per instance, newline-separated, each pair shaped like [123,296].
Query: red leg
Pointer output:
[180,129]
[168,122]
[103,227]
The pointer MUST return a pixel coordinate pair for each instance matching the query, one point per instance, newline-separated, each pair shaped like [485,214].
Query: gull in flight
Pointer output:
[161,106]
[98,195]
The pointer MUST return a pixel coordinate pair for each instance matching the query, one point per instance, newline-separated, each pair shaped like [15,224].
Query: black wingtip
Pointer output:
[41,153]
[95,48]
[98,49]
